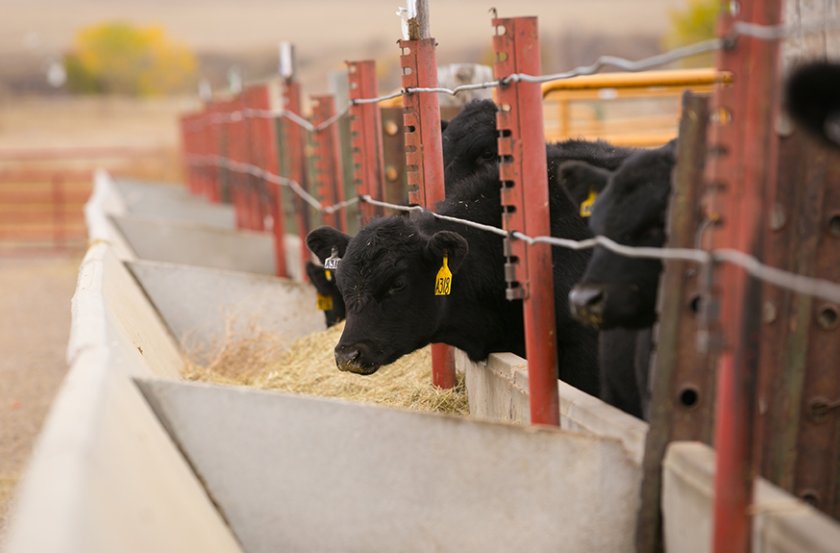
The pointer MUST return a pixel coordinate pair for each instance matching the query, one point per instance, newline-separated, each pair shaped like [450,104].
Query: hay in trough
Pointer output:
[307,366]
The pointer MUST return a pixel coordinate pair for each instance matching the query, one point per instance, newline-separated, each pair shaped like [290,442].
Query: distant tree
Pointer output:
[695,23]
[118,58]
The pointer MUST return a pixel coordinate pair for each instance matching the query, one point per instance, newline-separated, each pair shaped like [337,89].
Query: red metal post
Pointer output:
[265,148]
[329,175]
[199,133]
[188,137]
[424,158]
[214,148]
[233,127]
[524,181]
[366,137]
[743,149]
[256,154]
[294,146]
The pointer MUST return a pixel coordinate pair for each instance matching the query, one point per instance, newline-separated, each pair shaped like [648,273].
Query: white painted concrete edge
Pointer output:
[172,202]
[781,522]
[207,309]
[498,389]
[104,202]
[301,473]
[104,475]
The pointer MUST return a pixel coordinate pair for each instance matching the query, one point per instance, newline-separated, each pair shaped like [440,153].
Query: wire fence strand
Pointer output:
[819,288]
[739,28]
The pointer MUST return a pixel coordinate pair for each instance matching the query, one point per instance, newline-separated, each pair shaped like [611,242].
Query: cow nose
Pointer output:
[346,356]
[586,297]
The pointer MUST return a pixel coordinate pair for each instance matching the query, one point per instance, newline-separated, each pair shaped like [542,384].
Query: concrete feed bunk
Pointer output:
[132,458]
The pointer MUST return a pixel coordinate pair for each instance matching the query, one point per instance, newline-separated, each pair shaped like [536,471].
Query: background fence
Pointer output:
[43,191]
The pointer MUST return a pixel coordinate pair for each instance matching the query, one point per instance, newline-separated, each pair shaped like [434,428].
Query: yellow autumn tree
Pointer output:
[695,23]
[118,58]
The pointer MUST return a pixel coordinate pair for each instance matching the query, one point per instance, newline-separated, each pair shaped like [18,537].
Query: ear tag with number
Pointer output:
[586,205]
[331,263]
[328,275]
[443,280]
[324,302]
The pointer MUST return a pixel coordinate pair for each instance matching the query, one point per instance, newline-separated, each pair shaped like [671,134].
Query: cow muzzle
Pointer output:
[586,303]
[351,359]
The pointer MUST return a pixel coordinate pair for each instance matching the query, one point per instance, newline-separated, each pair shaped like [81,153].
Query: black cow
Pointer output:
[484,321]
[812,97]
[617,290]
[470,142]
[617,294]
[387,278]
[329,298]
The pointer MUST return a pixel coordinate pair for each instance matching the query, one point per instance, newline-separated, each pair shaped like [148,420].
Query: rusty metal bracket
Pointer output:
[421,119]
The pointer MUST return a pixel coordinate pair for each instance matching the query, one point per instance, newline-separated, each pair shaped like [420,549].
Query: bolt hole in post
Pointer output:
[811,497]
[688,396]
[834,225]
[827,317]
[722,116]
[695,304]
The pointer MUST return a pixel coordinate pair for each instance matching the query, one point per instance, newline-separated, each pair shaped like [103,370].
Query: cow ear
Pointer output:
[322,240]
[580,179]
[450,243]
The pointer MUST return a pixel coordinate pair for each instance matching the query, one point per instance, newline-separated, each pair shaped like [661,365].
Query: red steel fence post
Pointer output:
[424,157]
[235,151]
[215,131]
[210,147]
[524,188]
[329,175]
[256,155]
[366,137]
[202,140]
[743,149]
[188,149]
[266,145]
[294,146]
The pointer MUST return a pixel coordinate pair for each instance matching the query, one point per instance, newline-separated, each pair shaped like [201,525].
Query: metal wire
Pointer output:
[819,288]
[739,28]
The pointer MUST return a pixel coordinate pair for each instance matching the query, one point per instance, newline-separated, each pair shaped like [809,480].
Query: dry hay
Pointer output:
[265,360]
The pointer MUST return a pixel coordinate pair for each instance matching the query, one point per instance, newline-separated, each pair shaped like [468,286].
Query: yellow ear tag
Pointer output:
[328,274]
[324,302]
[586,205]
[443,280]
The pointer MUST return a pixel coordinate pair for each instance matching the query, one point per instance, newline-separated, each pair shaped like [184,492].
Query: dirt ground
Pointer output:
[35,297]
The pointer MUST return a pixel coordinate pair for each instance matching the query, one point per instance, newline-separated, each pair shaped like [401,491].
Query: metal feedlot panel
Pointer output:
[295,473]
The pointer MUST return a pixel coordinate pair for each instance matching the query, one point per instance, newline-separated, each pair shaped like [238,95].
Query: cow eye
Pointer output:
[397,286]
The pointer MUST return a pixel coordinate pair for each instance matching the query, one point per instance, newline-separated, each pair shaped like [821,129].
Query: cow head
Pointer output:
[617,290]
[387,279]
[470,141]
